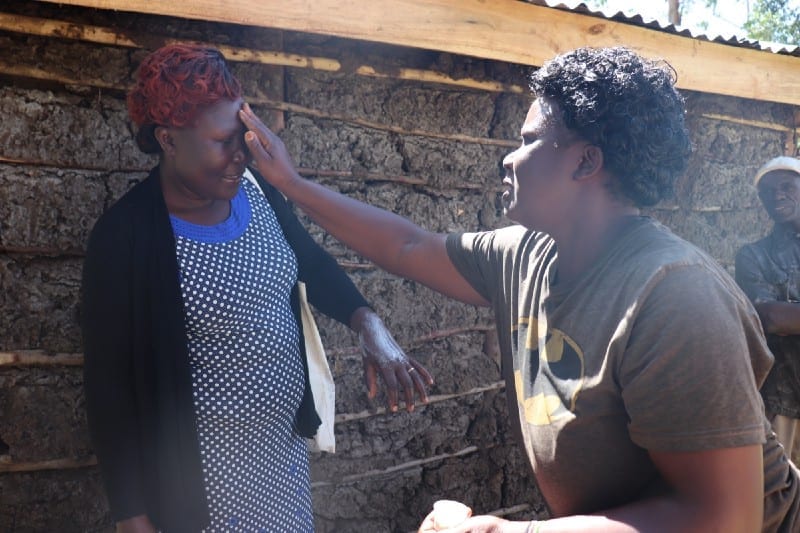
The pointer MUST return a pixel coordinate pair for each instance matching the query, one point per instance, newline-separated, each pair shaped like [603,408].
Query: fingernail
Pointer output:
[249,136]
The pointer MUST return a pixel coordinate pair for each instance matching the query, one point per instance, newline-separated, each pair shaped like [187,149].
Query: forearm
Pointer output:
[393,243]
[360,316]
[780,318]
[651,516]
[665,514]
[374,233]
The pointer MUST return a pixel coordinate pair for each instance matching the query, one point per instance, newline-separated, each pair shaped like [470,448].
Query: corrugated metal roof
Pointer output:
[654,24]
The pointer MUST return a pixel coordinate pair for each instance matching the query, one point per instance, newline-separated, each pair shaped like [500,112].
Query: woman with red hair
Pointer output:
[197,386]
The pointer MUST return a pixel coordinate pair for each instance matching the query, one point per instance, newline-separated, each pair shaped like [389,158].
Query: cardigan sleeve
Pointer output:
[328,287]
[106,324]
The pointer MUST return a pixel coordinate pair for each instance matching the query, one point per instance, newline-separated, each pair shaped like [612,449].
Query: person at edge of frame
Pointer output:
[768,271]
[632,360]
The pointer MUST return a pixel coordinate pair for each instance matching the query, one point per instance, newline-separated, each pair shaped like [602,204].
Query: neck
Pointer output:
[189,206]
[582,245]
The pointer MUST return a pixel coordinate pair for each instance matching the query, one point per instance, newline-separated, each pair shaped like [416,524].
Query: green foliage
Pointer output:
[774,20]
[768,20]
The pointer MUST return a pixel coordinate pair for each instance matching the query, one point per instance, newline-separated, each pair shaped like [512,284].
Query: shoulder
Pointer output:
[503,241]
[658,260]
[130,212]
[756,248]
[649,251]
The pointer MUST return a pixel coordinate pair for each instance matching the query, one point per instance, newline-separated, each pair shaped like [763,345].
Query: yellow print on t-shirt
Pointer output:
[550,378]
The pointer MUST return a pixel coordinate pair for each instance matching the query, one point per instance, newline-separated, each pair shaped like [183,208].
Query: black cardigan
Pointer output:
[136,375]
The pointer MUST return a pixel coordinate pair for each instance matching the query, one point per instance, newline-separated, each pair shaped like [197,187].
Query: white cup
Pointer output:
[449,513]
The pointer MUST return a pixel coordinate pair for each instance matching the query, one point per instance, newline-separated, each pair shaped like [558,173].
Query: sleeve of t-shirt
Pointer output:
[480,257]
[470,254]
[752,279]
[686,376]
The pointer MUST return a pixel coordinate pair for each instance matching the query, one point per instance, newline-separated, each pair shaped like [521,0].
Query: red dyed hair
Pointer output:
[175,83]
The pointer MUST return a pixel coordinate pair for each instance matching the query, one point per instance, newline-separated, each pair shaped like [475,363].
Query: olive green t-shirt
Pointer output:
[654,348]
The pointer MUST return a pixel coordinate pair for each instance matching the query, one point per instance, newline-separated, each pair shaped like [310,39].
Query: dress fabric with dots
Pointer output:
[247,375]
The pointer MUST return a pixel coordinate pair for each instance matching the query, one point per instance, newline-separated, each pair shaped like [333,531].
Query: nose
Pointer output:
[241,153]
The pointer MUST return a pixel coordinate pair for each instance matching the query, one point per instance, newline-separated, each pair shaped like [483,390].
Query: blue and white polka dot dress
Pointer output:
[236,279]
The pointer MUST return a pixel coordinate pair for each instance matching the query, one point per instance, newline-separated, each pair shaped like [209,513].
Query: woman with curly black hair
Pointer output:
[631,359]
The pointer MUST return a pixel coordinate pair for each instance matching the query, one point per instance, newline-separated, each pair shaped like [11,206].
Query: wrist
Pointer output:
[362,317]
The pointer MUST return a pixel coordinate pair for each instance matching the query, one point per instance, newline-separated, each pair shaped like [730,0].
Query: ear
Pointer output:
[165,139]
[591,162]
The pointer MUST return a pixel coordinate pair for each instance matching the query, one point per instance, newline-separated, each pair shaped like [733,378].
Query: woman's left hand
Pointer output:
[382,355]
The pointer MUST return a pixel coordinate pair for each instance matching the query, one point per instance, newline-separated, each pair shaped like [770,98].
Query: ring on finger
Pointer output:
[412,369]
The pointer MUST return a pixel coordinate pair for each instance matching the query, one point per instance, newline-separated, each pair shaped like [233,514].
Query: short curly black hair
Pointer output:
[626,105]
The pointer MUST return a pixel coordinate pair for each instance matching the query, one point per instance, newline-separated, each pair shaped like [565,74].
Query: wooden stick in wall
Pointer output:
[107,36]
[747,122]
[371,474]
[349,417]
[301,110]
[44,75]
[51,464]
[30,358]
[26,358]
[41,74]
[7,465]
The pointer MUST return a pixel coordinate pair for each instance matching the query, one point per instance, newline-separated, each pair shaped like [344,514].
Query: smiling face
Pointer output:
[779,191]
[205,161]
[538,174]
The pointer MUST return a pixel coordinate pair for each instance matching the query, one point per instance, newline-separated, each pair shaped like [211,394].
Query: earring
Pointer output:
[555,144]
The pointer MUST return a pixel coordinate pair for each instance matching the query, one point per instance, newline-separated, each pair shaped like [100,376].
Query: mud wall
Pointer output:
[429,150]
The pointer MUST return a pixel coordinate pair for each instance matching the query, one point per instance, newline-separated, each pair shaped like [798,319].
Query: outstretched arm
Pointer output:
[390,241]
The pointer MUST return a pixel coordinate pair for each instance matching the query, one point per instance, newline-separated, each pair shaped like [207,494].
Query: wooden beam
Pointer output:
[502,30]
[102,35]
